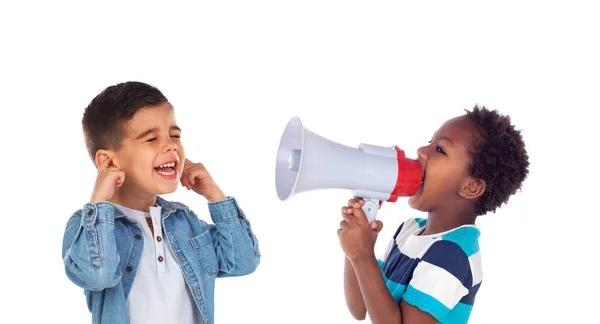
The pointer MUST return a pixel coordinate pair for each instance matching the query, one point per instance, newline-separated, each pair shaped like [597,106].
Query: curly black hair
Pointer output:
[498,156]
[104,117]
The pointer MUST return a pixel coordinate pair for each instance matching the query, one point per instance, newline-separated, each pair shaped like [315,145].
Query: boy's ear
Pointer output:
[102,155]
[472,189]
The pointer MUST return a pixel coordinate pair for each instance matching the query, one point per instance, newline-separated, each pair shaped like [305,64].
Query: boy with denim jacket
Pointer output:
[138,257]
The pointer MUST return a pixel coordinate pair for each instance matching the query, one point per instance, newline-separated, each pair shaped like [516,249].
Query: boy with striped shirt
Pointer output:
[431,270]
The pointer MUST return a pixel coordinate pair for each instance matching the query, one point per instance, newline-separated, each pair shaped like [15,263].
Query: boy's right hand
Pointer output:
[107,180]
[376,225]
[356,235]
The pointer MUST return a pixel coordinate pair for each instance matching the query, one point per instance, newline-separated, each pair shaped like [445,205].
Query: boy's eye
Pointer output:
[440,150]
[176,136]
[152,139]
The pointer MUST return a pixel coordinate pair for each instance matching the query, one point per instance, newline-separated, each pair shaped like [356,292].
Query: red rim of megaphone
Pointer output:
[409,177]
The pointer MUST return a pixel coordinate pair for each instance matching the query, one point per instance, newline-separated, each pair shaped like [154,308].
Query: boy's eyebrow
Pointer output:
[444,138]
[147,132]
[154,130]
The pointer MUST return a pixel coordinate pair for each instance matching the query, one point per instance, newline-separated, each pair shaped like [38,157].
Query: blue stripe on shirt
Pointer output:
[399,267]
[425,302]
[469,299]
[396,290]
[466,238]
[459,315]
[451,257]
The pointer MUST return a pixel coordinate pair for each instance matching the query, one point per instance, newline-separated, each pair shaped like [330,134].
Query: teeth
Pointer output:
[167,165]
[163,172]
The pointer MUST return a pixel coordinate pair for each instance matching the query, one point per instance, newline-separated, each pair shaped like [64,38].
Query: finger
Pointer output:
[183,181]
[344,225]
[192,174]
[359,214]
[377,226]
[187,164]
[119,179]
[347,214]
[356,202]
[200,174]
[118,182]
[188,184]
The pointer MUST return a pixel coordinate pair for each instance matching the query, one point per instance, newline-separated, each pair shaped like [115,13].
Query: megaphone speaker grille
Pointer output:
[289,158]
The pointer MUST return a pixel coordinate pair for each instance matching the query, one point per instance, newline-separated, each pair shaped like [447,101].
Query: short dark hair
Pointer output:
[104,117]
[498,156]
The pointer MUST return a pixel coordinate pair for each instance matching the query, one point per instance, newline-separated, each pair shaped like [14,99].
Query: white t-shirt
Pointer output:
[159,293]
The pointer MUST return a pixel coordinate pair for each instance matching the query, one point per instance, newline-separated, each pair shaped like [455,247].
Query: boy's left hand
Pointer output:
[356,235]
[196,177]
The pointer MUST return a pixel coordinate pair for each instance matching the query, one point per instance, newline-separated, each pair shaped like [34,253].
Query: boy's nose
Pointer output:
[170,146]
[422,152]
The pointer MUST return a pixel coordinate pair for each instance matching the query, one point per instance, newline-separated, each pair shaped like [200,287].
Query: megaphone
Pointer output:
[307,161]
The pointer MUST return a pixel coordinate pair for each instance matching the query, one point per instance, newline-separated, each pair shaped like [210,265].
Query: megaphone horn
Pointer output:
[307,161]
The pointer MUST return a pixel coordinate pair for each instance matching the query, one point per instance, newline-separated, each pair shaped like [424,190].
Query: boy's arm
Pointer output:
[357,239]
[352,292]
[354,298]
[89,249]
[236,245]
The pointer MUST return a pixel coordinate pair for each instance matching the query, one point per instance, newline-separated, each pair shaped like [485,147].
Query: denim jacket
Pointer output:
[102,249]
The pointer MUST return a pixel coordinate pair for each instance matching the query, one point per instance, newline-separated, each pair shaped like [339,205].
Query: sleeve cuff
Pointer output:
[426,303]
[99,212]
[225,209]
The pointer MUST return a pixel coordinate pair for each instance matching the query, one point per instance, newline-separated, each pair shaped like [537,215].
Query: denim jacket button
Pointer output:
[138,237]
[90,212]
[128,269]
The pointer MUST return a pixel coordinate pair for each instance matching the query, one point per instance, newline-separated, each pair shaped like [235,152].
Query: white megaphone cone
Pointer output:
[307,161]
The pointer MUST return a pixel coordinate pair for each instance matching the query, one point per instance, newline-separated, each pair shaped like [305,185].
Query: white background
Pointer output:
[383,73]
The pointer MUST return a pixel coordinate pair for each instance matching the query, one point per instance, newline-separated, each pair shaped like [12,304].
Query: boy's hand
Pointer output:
[196,177]
[107,180]
[356,235]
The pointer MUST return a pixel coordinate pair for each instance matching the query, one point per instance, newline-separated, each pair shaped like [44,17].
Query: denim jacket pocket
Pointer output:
[205,250]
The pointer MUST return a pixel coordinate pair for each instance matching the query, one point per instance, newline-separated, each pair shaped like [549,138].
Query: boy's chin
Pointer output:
[414,202]
[165,192]
[166,189]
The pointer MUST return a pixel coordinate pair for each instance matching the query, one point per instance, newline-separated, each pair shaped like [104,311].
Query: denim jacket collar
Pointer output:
[166,207]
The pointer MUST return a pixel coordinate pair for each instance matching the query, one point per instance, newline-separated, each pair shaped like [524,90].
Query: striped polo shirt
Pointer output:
[438,273]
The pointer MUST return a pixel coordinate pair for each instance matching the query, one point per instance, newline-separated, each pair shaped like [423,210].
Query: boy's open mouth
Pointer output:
[167,169]
[423,180]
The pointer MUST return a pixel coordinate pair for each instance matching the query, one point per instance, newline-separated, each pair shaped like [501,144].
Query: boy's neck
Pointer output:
[440,221]
[141,202]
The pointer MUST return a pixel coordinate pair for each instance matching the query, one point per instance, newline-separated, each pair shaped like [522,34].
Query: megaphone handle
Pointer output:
[370,208]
